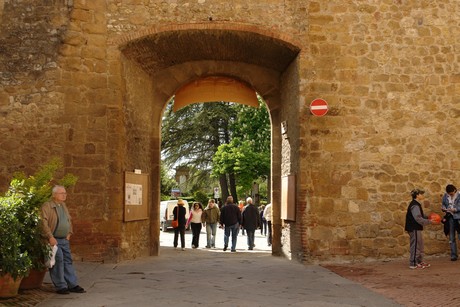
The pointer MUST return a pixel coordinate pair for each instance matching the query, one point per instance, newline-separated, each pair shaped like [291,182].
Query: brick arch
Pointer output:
[289,38]
[264,81]
[259,58]
[215,88]
[155,49]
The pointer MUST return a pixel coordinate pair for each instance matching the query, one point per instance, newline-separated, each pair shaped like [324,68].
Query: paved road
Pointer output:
[211,277]
[166,240]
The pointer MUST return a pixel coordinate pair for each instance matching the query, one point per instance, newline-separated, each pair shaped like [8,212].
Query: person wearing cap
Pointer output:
[415,220]
[179,214]
[57,230]
[451,205]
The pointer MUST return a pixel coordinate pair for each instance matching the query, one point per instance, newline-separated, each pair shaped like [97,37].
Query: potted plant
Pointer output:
[31,192]
[14,261]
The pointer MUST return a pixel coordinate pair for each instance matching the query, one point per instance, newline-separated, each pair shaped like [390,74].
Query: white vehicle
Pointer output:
[167,215]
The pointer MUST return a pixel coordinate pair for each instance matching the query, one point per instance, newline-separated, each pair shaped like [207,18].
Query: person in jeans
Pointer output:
[415,220]
[250,221]
[263,221]
[57,229]
[179,212]
[451,205]
[230,217]
[211,216]
[241,206]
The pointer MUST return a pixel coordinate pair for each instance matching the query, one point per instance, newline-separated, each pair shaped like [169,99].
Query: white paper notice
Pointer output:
[133,194]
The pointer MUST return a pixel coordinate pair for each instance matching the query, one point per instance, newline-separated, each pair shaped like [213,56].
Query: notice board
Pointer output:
[288,198]
[136,197]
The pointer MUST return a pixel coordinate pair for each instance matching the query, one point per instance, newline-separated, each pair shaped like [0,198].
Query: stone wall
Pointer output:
[389,70]
[30,106]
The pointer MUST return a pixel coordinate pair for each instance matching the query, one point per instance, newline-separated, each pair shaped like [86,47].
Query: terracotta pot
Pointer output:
[34,280]
[8,286]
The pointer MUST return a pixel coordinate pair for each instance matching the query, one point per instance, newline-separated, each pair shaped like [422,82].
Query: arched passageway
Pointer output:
[158,62]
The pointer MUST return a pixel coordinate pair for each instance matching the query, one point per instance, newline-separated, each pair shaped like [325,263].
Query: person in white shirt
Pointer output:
[195,223]
[268,218]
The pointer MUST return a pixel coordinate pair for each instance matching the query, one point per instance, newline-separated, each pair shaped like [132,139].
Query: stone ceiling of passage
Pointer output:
[161,50]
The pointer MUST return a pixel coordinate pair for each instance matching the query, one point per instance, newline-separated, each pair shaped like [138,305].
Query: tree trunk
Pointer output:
[232,181]
[223,187]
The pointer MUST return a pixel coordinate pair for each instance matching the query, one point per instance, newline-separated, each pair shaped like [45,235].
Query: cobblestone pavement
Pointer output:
[27,298]
[434,286]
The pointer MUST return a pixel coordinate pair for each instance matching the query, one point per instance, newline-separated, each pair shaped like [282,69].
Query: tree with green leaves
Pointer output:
[191,136]
[248,154]
[167,183]
[232,139]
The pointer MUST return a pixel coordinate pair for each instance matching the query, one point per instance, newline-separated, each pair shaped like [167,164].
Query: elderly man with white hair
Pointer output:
[250,221]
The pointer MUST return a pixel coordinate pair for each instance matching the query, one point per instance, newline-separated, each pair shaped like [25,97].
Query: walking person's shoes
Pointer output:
[63,291]
[453,259]
[422,265]
[225,248]
[77,289]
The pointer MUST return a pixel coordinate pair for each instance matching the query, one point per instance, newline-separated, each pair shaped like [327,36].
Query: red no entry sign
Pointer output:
[318,107]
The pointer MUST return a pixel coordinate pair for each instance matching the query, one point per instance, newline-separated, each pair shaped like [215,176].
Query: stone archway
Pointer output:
[170,57]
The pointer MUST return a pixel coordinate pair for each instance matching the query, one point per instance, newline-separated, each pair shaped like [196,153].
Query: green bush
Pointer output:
[23,202]
[201,197]
[14,260]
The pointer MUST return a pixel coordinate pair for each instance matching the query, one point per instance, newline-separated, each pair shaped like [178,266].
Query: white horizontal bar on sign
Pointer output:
[318,107]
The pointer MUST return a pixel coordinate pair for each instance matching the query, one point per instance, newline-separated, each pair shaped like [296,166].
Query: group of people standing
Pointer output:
[210,216]
[416,219]
[230,217]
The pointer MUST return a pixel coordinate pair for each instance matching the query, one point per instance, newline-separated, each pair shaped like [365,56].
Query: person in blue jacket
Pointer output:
[451,205]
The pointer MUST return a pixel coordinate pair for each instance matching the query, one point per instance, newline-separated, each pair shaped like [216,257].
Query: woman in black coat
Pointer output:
[179,214]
